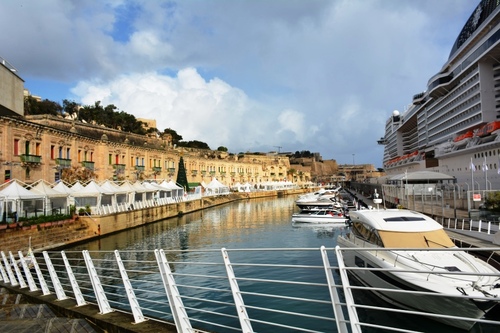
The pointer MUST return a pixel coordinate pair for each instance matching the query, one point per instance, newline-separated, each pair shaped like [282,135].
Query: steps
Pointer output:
[17,315]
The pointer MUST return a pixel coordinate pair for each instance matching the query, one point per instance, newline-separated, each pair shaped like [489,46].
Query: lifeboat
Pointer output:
[461,137]
[488,129]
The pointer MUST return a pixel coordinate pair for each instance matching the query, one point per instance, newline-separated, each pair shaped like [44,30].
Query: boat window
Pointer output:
[369,235]
[404,218]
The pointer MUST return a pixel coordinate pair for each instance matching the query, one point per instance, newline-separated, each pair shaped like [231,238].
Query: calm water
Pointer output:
[259,223]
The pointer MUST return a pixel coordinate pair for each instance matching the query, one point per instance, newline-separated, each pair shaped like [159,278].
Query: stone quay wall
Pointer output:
[53,235]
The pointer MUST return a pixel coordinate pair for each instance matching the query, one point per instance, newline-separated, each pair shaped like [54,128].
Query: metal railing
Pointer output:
[219,290]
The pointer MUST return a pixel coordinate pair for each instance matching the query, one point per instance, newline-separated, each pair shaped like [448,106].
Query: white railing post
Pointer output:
[27,273]
[337,306]
[8,267]
[480,225]
[74,284]
[132,299]
[181,318]
[22,283]
[470,225]
[54,278]
[100,295]
[246,325]
[351,309]
[4,277]
[489,227]
[41,279]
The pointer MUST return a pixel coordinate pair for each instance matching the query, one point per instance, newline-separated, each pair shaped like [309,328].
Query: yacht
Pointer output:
[453,126]
[403,250]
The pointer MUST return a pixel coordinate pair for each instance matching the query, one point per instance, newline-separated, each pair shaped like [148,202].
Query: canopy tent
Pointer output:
[419,177]
[159,191]
[216,187]
[92,195]
[132,192]
[19,200]
[77,187]
[143,193]
[55,201]
[120,194]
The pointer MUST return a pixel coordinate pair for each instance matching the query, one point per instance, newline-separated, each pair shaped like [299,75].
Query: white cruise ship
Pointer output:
[454,125]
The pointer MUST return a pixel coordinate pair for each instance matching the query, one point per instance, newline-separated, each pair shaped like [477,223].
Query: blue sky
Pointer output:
[317,75]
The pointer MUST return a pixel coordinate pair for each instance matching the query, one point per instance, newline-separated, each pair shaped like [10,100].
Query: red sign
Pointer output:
[476,197]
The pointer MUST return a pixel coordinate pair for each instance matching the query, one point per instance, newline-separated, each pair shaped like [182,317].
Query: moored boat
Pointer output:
[320,216]
[450,282]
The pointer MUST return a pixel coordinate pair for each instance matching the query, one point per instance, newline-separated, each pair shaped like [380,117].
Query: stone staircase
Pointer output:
[18,315]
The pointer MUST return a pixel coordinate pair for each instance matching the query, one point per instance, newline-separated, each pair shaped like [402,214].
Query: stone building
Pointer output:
[46,147]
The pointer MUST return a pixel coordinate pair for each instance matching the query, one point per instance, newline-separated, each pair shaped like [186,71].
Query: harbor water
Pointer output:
[258,223]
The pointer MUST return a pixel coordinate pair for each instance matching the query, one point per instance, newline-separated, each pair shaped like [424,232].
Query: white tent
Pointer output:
[21,201]
[119,194]
[56,202]
[216,187]
[92,195]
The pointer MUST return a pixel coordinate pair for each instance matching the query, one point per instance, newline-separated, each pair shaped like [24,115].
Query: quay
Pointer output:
[77,297]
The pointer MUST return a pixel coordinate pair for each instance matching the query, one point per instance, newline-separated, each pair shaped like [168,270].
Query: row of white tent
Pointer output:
[105,197]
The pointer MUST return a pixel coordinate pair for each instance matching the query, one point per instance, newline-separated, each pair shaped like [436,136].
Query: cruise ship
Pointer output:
[453,127]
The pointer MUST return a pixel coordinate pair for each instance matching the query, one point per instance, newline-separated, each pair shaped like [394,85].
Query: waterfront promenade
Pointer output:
[97,310]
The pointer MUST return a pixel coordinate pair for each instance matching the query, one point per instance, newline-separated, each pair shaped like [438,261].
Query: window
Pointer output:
[16,147]
[68,153]
[52,152]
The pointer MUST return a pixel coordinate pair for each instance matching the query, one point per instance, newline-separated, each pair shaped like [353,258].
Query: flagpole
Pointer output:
[472,174]
[485,174]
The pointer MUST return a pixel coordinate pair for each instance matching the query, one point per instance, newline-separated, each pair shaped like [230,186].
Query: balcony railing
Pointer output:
[156,169]
[171,170]
[194,172]
[119,167]
[63,162]
[88,164]
[27,158]
[139,167]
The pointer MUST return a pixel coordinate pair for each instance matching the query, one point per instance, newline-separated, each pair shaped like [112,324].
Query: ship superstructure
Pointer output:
[454,125]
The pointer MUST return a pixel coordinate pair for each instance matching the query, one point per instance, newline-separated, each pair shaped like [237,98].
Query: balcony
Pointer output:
[119,167]
[212,173]
[194,172]
[88,164]
[63,162]
[139,167]
[30,159]
[171,170]
[156,169]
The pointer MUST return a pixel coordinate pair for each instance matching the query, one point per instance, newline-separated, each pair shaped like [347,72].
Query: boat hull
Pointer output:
[385,279]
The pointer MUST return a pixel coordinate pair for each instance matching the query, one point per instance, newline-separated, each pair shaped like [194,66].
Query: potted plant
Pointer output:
[81,211]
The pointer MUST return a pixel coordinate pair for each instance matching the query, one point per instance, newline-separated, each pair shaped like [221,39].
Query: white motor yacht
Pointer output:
[320,216]
[408,251]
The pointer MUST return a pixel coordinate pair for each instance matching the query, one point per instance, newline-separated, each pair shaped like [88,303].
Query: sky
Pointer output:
[250,75]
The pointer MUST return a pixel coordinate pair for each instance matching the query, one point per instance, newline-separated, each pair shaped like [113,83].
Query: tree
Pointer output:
[35,107]
[193,144]
[77,173]
[176,138]
[222,148]
[181,175]
[492,201]
[70,107]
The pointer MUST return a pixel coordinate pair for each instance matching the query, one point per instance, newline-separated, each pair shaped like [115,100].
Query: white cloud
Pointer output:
[245,74]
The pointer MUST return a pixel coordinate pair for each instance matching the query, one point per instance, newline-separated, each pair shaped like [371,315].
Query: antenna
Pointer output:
[279,148]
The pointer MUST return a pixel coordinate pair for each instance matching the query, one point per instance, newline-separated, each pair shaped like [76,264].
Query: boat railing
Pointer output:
[215,290]
[481,226]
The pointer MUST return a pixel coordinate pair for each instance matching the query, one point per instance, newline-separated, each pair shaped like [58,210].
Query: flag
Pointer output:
[472,166]
[485,166]
[498,166]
